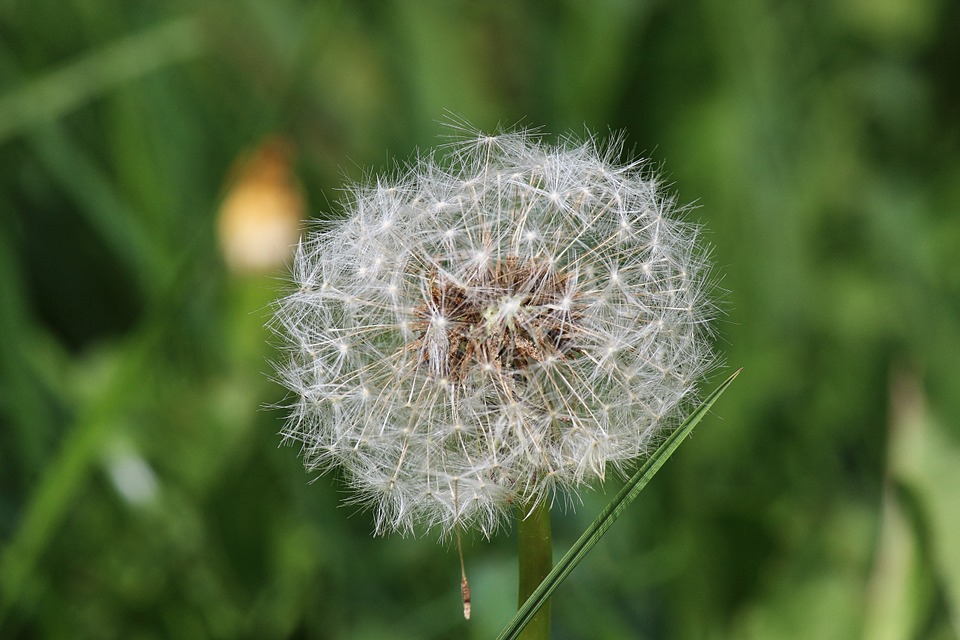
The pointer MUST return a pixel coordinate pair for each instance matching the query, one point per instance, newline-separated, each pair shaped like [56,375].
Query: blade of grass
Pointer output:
[29,411]
[102,203]
[93,74]
[95,422]
[609,515]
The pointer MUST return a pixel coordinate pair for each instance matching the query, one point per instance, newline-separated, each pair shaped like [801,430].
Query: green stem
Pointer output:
[536,560]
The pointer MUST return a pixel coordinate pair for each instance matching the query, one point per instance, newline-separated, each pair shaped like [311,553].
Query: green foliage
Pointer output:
[142,491]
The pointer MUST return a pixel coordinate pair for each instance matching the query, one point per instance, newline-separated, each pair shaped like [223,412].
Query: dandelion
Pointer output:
[505,322]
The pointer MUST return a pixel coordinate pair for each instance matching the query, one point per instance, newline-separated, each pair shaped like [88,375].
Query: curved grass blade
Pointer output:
[91,75]
[609,515]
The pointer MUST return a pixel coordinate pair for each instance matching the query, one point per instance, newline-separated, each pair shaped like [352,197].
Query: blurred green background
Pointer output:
[143,493]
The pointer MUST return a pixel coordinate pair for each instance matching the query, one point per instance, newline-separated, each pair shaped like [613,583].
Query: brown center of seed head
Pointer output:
[505,316]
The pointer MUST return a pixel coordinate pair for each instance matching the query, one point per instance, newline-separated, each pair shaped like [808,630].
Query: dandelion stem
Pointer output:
[536,560]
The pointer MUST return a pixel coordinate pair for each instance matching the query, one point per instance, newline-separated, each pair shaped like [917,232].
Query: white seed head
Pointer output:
[497,324]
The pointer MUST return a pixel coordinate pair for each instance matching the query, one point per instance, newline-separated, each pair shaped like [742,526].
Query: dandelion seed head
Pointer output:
[506,321]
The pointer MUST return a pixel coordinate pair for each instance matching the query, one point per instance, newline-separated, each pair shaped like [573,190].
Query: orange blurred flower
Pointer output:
[259,220]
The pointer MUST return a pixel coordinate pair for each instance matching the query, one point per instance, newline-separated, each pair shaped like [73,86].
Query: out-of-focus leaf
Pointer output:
[898,593]
[926,459]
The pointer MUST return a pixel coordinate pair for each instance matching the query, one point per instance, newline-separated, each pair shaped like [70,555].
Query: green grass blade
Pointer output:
[58,92]
[609,515]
